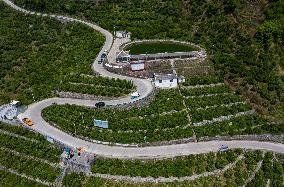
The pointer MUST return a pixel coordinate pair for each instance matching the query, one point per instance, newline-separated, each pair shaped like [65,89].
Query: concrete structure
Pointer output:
[77,161]
[177,55]
[8,111]
[122,56]
[165,80]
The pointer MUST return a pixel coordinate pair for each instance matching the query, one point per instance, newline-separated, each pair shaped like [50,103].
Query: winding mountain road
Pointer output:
[144,87]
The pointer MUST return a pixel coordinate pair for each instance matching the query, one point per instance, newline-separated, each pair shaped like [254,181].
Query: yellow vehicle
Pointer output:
[28,121]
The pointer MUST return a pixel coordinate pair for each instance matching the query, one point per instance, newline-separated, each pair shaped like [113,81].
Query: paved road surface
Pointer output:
[144,87]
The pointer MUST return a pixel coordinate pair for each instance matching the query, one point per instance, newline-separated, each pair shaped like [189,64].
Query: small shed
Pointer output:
[122,56]
[137,65]
[165,80]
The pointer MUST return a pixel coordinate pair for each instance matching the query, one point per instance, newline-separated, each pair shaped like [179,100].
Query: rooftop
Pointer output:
[122,54]
[159,76]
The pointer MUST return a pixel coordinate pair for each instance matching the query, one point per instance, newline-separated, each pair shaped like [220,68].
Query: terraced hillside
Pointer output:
[203,106]
[233,168]
[245,38]
[41,57]
[27,159]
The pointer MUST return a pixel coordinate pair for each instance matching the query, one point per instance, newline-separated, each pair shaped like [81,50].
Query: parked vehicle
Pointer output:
[28,121]
[223,148]
[135,95]
[100,104]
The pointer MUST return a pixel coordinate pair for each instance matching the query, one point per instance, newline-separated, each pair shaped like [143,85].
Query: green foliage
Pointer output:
[209,114]
[29,167]
[38,149]
[269,31]
[269,170]
[244,37]
[74,180]
[235,176]
[38,53]
[240,125]
[34,146]
[192,81]
[212,100]
[22,131]
[126,126]
[158,47]
[93,85]
[205,90]
[11,180]
[177,167]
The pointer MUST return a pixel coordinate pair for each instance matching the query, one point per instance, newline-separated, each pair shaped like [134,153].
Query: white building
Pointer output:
[165,80]
[122,34]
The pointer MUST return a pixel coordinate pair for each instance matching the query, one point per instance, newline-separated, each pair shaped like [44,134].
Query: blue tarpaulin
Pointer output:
[100,123]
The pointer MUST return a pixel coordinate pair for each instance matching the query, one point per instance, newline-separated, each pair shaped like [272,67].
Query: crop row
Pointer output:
[165,101]
[177,167]
[99,81]
[155,122]
[235,176]
[212,100]
[29,167]
[240,125]
[209,114]
[205,90]
[171,101]
[40,150]
[22,131]
[93,90]
[116,123]
[11,180]
[269,170]
[212,79]
[95,133]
